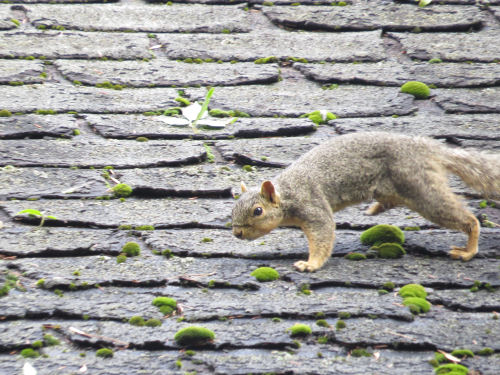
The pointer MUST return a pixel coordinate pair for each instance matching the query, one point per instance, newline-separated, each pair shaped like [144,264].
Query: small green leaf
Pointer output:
[30,211]
[51,217]
[204,106]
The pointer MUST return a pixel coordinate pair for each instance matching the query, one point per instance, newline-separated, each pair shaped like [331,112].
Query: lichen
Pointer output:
[418,89]
[194,335]
[382,233]
[264,274]
[299,329]
[131,249]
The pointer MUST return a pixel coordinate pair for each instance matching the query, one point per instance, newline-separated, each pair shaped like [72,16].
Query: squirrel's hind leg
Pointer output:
[441,206]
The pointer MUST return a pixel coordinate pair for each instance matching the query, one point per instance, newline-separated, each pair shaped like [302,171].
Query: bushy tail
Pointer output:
[479,170]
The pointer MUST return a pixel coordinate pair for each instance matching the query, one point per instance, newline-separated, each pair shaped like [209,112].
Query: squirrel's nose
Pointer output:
[238,233]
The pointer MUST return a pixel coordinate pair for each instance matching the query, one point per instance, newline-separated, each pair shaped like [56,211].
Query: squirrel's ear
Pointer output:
[243,187]
[268,191]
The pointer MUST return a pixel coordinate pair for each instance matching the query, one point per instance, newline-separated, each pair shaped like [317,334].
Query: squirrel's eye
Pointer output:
[257,211]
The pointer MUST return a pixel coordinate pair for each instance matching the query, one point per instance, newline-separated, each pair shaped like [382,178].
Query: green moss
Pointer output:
[166,304]
[411,228]
[40,283]
[219,113]
[322,323]
[418,89]
[58,292]
[131,249]
[207,239]
[76,131]
[382,233]
[125,227]
[266,60]
[167,253]
[109,85]
[323,340]
[264,274]
[121,190]
[45,112]
[389,250]
[451,368]
[435,61]
[300,329]
[417,305]
[104,353]
[412,290]
[382,292]
[360,353]
[355,256]
[5,113]
[340,324]
[276,320]
[15,22]
[298,59]
[144,227]
[193,335]
[486,352]
[462,353]
[210,155]
[344,315]
[136,321]
[152,322]
[247,168]
[319,117]
[333,86]
[16,83]
[142,139]
[389,285]
[183,101]
[37,344]
[29,353]
[50,340]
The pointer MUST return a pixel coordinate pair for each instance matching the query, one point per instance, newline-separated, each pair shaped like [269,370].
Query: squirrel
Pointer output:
[393,169]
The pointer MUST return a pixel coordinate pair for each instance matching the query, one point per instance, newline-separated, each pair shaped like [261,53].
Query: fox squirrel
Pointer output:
[390,168]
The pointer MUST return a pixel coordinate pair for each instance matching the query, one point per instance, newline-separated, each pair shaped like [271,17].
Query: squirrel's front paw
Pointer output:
[304,266]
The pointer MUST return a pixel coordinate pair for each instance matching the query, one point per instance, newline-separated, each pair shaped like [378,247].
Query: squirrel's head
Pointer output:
[257,212]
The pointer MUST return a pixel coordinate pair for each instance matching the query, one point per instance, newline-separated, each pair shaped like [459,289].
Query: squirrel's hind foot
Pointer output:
[462,253]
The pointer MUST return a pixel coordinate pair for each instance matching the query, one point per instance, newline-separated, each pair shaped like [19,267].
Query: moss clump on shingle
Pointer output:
[5,113]
[152,322]
[300,329]
[462,353]
[418,89]
[382,233]
[131,249]
[417,305]
[452,369]
[355,256]
[29,353]
[136,321]
[193,335]
[264,274]
[412,290]
[121,190]
[319,117]
[166,305]
[104,353]
[389,250]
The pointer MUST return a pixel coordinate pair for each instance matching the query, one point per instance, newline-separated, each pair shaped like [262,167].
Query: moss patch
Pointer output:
[412,290]
[389,250]
[121,190]
[131,249]
[355,256]
[29,353]
[166,305]
[5,113]
[320,117]
[382,233]
[264,274]
[417,305]
[104,353]
[451,368]
[193,335]
[300,329]
[418,89]
[136,321]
